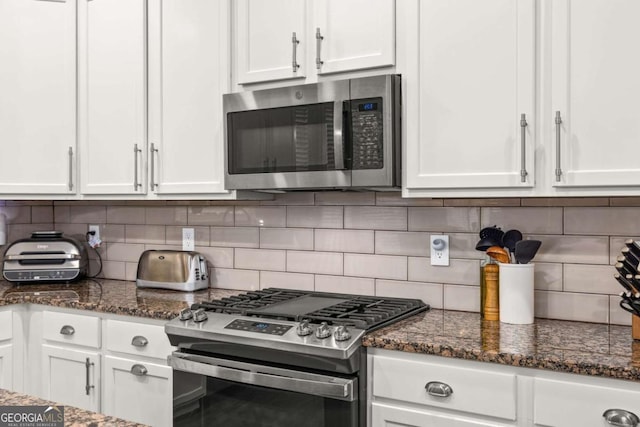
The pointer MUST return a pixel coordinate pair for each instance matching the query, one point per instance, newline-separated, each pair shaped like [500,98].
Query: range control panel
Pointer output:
[258,326]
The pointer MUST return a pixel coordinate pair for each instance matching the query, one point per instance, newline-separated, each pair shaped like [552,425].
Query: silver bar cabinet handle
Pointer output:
[319,39]
[67,330]
[136,184]
[621,418]
[154,150]
[88,364]
[438,389]
[139,370]
[294,60]
[139,341]
[523,147]
[558,164]
[70,168]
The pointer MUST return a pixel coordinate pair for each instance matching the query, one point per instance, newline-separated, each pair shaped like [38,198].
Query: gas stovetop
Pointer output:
[307,322]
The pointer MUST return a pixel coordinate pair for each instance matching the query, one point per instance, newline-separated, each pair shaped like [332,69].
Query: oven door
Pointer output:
[210,391]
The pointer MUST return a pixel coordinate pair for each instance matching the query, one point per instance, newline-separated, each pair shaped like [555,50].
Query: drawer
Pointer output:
[6,325]
[71,329]
[137,339]
[566,404]
[473,390]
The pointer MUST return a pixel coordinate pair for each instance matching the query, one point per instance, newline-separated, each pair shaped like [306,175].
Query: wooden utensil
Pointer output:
[499,254]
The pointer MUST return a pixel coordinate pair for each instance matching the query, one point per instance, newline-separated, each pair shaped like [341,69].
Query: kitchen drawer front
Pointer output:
[474,390]
[6,325]
[569,404]
[71,329]
[137,339]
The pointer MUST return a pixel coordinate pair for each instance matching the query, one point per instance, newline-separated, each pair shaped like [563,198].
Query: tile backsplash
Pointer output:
[367,243]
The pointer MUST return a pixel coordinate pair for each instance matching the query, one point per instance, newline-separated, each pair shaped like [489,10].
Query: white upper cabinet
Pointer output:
[595,90]
[112,95]
[476,97]
[37,97]
[188,73]
[291,39]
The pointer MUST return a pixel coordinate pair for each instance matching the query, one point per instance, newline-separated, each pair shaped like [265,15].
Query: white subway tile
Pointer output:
[572,306]
[211,215]
[70,230]
[174,235]
[92,215]
[166,215]
[291,199]
[112,233]
[343,198]
[615,245]
[236,237]
[114,270]
[130,271]
[260,259]
[42,214]
[376,266]
[271,279]
[394,198]
[608,221]
[617,315]
[572,249]
[359,241]
[345,285]
[148,247]
[260,216]
[459,271]
[115,214]
[402,243]
[429,293]
[314,262]
[547,276]
[124,252]
[286,238]
[463,245]
[375,218]
[445,220]
[590,279]
[462,298]
[228,278]
[217,257]
[61,214]
[526,219]
[17,214]
[145,234]
[315,216]
[22,231]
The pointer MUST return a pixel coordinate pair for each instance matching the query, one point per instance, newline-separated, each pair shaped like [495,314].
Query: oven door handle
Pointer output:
[266,376]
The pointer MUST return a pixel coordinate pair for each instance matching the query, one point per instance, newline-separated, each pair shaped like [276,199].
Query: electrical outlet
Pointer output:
[188,239]
[96,230]
[440,249]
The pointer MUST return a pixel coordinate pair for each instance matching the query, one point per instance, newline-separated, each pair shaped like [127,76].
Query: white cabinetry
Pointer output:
[477,80]
[384,415]
[38,97]
[188,73]
[288,39]
[6,350]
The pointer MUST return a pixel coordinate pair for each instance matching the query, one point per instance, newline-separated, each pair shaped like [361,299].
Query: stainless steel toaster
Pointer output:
[176,270]
[47,256]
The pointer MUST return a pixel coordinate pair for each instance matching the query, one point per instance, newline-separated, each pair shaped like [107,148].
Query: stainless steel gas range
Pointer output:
[277,357]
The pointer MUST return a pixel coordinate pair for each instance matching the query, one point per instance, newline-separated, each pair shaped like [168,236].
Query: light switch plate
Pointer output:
[439,249]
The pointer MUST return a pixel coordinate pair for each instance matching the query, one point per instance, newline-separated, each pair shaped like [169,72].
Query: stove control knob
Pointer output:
[341,333]
[186,314]
[304,329]
[200,315]
[323,331]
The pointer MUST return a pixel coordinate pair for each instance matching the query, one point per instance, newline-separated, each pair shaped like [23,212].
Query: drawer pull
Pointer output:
[438,389]
[621,418]
[139,341]
[67,330]
[139,370]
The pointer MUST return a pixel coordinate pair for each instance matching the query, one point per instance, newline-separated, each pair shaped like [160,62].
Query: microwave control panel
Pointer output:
[367,133]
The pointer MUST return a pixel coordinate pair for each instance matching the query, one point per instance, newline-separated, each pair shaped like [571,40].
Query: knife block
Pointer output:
[635,327]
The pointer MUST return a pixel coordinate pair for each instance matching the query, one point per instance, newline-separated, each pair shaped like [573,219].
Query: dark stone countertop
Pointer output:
[562,346]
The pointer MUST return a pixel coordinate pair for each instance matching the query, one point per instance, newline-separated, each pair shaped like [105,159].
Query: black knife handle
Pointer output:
[630,256]
[623,269]
[625,284]
[633,247]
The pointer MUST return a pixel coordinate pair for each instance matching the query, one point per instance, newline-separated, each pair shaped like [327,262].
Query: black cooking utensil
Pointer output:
[510,239]
[490,236]
[526,250]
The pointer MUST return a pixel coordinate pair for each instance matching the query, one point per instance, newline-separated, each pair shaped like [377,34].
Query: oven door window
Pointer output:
[287,139]
[201,400]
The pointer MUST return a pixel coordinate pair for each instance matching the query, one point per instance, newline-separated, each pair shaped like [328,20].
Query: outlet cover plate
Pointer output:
[439,244]
[188,239]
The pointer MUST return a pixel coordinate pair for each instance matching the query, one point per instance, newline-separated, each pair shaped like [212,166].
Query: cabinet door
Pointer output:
[595,89]
[356,34]
[71,377]
[263,40]
[476,78]
[6,366]
[188,63]
[138,391]
[383,415]
[38,96]
[112,101]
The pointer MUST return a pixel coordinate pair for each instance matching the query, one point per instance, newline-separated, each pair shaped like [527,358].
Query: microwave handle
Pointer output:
[342,140]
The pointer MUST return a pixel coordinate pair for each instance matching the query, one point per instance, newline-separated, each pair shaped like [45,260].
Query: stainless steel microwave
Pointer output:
[338,134]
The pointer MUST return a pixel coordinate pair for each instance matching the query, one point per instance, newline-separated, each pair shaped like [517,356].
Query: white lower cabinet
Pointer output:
[6,366]
[394,416]
[71,376]
[138,391]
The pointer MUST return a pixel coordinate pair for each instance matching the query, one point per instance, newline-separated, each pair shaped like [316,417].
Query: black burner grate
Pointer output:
[363,312]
